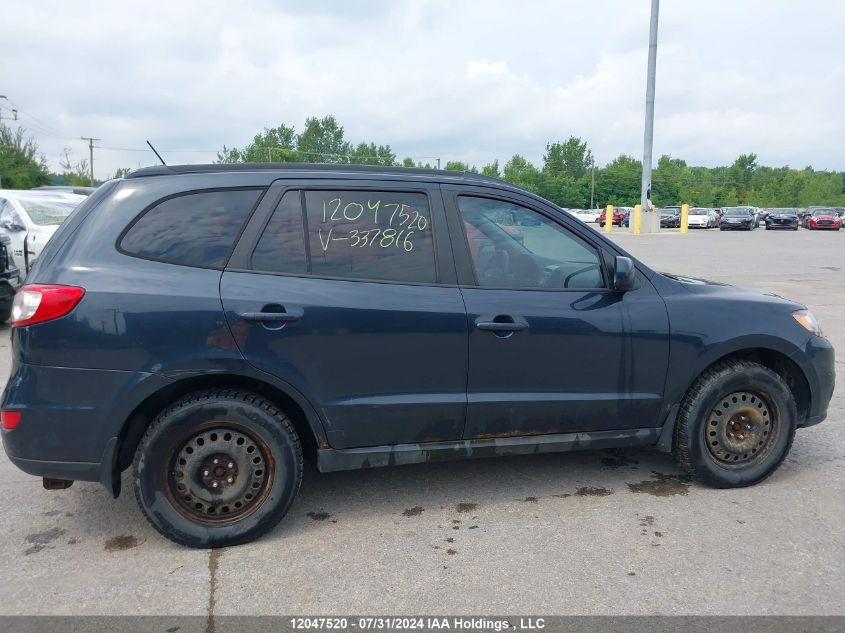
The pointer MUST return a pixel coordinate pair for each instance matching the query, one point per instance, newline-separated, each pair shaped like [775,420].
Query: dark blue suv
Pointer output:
[213,325]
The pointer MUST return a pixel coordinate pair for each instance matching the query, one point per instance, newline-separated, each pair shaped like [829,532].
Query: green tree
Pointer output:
[618,183]
[521,173]
[491,169]
[570,157]
[21,166]
[456,165]
[321,141]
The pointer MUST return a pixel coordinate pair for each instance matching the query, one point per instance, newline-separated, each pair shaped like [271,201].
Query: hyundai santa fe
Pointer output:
[211,326]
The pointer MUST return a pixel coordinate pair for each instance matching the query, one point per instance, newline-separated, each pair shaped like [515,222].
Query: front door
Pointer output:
[348,293]
[548,352]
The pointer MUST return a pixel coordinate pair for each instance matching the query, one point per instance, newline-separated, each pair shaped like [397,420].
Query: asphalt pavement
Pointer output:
[606,532]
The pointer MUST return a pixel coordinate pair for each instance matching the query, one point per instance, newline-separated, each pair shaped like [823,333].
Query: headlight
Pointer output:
[808,321]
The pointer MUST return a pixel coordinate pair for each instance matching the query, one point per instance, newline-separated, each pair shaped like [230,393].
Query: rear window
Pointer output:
[195,229]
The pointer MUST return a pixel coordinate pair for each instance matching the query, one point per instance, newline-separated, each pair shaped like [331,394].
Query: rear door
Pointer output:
[347,291]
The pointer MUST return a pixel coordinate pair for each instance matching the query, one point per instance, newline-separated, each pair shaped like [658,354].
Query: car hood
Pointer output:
[696,285]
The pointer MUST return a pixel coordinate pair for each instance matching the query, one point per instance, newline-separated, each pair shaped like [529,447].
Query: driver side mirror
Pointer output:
[624,274]
[9,225]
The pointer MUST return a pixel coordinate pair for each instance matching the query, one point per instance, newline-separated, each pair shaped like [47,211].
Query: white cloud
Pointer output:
[433,78]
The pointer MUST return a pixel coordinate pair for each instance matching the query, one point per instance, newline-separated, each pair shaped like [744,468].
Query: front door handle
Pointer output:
[501,323]
[275,313]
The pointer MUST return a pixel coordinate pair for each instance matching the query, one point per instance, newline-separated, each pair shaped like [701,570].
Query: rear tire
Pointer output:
[736,424]
[217,468]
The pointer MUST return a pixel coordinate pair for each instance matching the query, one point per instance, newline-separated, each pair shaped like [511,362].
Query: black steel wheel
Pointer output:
[740,430]
[217,468]
[220,475]
[735,425]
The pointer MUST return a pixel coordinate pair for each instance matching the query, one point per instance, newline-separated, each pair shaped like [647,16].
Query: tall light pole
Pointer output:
[648,142]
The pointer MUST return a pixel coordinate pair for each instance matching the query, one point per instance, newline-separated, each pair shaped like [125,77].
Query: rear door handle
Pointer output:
[502,323]
[274,312]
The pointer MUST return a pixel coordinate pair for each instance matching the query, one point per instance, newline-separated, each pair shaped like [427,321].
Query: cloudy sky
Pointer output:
[462,80]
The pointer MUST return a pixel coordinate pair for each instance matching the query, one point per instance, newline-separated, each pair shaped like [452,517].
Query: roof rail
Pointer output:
[162,170]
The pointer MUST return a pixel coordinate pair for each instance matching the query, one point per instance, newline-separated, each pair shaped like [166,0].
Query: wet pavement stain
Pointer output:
[472,527]
[530,500]
[647,520]
[73,541]
[617,458]
[466,507]
[413,512]
[658,534]
[318,516]
[662,485]
[121,543]
[630,573]
[563,496]
[41,540]
[451,552]
[51,513]
[593,491]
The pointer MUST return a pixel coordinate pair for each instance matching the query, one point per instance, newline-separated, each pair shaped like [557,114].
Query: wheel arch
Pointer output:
[302,414]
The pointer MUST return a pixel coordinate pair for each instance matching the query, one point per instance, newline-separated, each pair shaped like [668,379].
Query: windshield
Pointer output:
[698,211]
[738,212]
[44,212]
[817,212]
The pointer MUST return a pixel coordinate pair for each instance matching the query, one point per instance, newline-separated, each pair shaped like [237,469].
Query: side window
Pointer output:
[196,229]
[515,247]
[281,248]
[380,235]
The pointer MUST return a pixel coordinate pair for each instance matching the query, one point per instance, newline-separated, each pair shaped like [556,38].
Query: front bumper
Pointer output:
[818,362]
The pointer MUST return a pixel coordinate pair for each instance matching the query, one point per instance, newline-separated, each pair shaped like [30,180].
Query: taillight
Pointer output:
[10,419]
[39,303]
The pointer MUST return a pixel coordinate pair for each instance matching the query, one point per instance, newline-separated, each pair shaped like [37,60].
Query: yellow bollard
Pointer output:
[636,222]
[684,218]
[608,218]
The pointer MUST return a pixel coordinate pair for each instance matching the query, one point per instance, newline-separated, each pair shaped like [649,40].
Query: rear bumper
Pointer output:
[71,419]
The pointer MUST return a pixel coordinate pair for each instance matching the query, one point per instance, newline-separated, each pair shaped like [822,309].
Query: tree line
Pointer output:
[567,175]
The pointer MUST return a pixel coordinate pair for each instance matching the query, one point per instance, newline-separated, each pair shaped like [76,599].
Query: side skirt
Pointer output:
[330,459]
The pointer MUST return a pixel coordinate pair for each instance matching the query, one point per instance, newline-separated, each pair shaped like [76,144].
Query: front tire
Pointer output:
[736,424]
[217,468]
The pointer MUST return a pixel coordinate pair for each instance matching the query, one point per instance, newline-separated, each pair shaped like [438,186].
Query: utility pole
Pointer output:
[593,185]
[91,154]
[14,111]
[648,141]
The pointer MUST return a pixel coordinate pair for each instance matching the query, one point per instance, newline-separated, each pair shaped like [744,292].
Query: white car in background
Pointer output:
[701,218]
[30,218]
[585,215]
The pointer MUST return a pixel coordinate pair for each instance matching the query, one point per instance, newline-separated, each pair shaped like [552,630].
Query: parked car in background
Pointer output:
[670,217]
[618,216]
[738,218]
[209,326]
[824,218]
[585,215]
[29,219]
[782,219]
[82,191]
[701,218]
[10,278]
